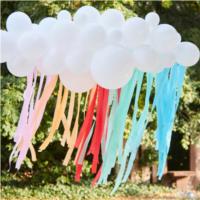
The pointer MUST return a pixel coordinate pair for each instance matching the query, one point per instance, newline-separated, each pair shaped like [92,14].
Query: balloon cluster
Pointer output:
[92,48]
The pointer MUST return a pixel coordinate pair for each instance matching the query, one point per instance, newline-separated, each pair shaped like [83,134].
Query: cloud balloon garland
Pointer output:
[108,57]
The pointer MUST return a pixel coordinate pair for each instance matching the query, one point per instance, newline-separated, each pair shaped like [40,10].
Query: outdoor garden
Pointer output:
[47,178]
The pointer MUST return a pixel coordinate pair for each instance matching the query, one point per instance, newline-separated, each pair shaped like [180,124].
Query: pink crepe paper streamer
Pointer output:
[35,119]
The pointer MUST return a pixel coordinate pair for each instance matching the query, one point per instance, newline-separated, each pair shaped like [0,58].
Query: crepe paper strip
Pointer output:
[104,136]
[86,102]
[24,113]
[59,112]
[94,181]
[36,118]
[33,153]
[99,129]
[82,154]
[116,138]
[136,134]
[73,136]
[166,109]
[31,105]
[40,87]
[53,126]
[78,172]
[69,119]
[85,145]
[113,109]
[118,94]
[113,102]
[86,126]
[23,117]
[138,130]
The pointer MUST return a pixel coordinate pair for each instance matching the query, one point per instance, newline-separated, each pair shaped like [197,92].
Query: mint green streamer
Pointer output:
[115,143]
[137,131]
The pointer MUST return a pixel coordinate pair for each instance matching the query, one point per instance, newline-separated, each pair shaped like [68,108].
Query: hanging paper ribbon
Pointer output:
[72,138]
[170,81]
[34,119]
[116,137]
[100,125]
[85,131]
[135,136]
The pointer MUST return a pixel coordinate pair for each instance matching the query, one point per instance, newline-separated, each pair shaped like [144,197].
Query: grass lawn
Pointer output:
[14,187]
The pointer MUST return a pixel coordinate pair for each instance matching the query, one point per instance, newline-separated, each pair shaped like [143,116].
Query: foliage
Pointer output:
[183,15]
[21,187]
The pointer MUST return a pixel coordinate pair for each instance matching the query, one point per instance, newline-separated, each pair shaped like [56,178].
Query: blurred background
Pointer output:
[183,167]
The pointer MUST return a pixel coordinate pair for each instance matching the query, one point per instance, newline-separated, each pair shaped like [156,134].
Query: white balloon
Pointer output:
[152,19]
[187,54]
[135,31]
[77,82]
[93,36]
[20,66]
[164,38]
[114,36]
[111,67]
[64,35]
[53,63]
[166,60]
[8,46]
[18,22]
[146,59]
[79,60]
[32,45]
[112,18]
[64,15]
[85,15]
[35,27]
[47,24]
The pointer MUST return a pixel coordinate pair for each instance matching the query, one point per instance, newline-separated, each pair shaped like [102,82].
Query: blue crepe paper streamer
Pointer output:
[168,91]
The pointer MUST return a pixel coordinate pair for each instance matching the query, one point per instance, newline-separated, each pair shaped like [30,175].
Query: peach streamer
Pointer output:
[55,118]
[68,121]
[72,138]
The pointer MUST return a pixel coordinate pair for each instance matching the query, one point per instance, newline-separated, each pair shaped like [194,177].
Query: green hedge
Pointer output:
[183,15]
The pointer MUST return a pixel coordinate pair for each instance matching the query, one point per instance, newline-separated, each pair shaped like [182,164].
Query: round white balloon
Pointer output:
[47,24]
[111,67]
[32,45]
[135,31]
[78,61]
[112,18]
[93,36]
[8,46]
[114,36]
[187,54]
[64,35]
[152,19]
[18,22]
[164,38]
[20,66]
[53,63]
[77,82]
[166,60]
[64,15]
[146,59]
[85,15]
